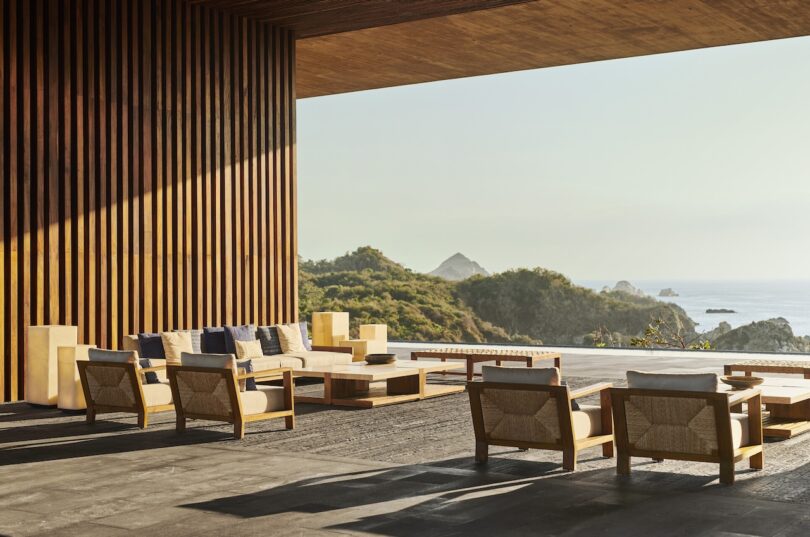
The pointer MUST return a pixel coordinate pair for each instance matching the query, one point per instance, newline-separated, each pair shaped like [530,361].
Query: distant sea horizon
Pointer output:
[753,300]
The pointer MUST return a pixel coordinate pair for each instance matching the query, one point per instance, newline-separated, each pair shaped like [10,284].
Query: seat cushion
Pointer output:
[587,421]
[547,376]
[739,429]
[321,358]
[688,382]
[276,361]
[264,399]
[244,332]
[160,375]
[268,337]
[157,394]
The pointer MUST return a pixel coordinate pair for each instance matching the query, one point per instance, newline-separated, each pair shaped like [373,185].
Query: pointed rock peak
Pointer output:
[458,267]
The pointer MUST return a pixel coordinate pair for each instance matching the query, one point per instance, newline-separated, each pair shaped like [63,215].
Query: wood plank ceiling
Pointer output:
[532,35]
[147,171]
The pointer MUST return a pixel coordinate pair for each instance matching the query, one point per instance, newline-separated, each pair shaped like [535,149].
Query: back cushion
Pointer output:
[216,361]
[103,355]
[176,343]
[196,339]
[689,382]
[150,345]
[547,376]
[290,337]
[245,332]
[268,337]
[304,335]
[213,340]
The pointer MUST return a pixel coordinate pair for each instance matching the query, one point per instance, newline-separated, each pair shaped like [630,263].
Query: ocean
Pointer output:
[751,300]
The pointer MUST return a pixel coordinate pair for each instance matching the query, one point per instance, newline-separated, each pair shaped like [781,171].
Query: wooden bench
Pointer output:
[750,367]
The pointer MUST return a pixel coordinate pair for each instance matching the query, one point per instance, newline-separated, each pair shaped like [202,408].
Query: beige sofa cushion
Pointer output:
[587,421]
[546,376]
[289,335]
[688,382]
[248,350]
[276,361]
[320,358]
[739,429]
[263,399]
[157,394]
[175,344]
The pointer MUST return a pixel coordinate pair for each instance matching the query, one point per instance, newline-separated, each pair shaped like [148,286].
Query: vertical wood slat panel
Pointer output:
[148,165]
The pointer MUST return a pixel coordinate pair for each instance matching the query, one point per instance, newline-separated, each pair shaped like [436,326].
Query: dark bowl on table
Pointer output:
[742,382]
[381,358]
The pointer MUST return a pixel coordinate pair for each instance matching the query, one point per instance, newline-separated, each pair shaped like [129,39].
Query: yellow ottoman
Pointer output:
[361,347]
[41,370]
[329,328]
[71,396]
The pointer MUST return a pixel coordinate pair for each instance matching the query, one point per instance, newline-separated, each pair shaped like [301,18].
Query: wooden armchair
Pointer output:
[113,381]
[206,386]
[687,425]
[526,408]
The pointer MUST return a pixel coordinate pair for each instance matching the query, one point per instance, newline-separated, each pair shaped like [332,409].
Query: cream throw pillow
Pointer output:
[289,335]
[245,350]
[175,344]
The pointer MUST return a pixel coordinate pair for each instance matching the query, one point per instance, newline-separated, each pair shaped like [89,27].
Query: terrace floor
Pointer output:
[391,471]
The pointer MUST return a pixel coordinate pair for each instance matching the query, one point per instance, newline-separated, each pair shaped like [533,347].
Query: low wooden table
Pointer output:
[474,356]
[794,367]
[351,384]
[787,401]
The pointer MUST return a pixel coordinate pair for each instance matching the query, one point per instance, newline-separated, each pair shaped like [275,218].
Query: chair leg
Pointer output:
[181,424]
[239,430]
[91,415]
[623,464]
[289,422]
[570,459]
[757,462]
[727,472]
[143,420]
[481,452]
[607,449]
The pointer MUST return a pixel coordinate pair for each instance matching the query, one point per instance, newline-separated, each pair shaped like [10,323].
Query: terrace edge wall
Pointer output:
[147,171]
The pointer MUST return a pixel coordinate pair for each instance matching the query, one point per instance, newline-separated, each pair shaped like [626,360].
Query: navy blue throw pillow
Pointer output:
[150,345]
[245,332]
[268,337]
[250,383]
[213,340]
[304,336]
[151,376]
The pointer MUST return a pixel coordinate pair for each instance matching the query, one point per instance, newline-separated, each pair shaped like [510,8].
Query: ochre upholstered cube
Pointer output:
[41,369]
[71,396]
[361,347]
[329,328]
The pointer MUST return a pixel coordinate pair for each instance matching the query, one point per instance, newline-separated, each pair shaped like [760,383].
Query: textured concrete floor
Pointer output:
[391,471]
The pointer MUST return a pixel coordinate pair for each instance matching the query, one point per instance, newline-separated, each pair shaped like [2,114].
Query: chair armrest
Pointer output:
[279,371]
[589,390]
[328,348]
[735,398]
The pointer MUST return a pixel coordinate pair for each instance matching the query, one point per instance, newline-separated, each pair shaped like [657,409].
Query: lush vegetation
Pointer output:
[521,306]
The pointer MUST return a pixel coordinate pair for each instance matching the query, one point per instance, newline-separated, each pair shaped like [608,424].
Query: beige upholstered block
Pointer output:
[289,335]
[688,382]
[71,396]
[547,376]
[361,347]
[175,344]
[376,332]
[329,328]
[157,394]
[739,429]
[41,369]
[263,399]
[248,350]
[587,421]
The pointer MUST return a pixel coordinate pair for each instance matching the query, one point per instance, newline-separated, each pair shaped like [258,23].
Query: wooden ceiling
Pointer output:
[541,33]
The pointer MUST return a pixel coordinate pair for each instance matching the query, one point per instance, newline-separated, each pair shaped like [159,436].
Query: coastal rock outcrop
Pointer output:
[669,291]
[458,267]
[623,286]
[720,310]
[772,335]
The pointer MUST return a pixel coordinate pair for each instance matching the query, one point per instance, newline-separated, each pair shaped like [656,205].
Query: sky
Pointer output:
[689,165]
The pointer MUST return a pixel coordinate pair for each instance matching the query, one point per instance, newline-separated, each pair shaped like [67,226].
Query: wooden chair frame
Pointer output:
[237,417]
[723,404]
[140,407]
[568,443]
[329,348]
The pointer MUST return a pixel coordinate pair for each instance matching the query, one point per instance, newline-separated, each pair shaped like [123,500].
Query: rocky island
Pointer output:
[669,291]
[719,310]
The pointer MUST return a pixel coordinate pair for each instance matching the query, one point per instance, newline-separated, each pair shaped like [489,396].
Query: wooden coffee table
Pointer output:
[787,401]
[362,385]
[474,356]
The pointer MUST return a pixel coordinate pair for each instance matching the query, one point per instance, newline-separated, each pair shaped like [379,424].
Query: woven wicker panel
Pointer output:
[110,386]
[682,425]
[204,393]
[527,416]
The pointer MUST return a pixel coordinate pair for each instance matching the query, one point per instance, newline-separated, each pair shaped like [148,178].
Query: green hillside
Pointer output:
[520,306]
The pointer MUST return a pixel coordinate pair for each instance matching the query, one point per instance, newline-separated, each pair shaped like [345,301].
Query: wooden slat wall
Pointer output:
[148,171]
